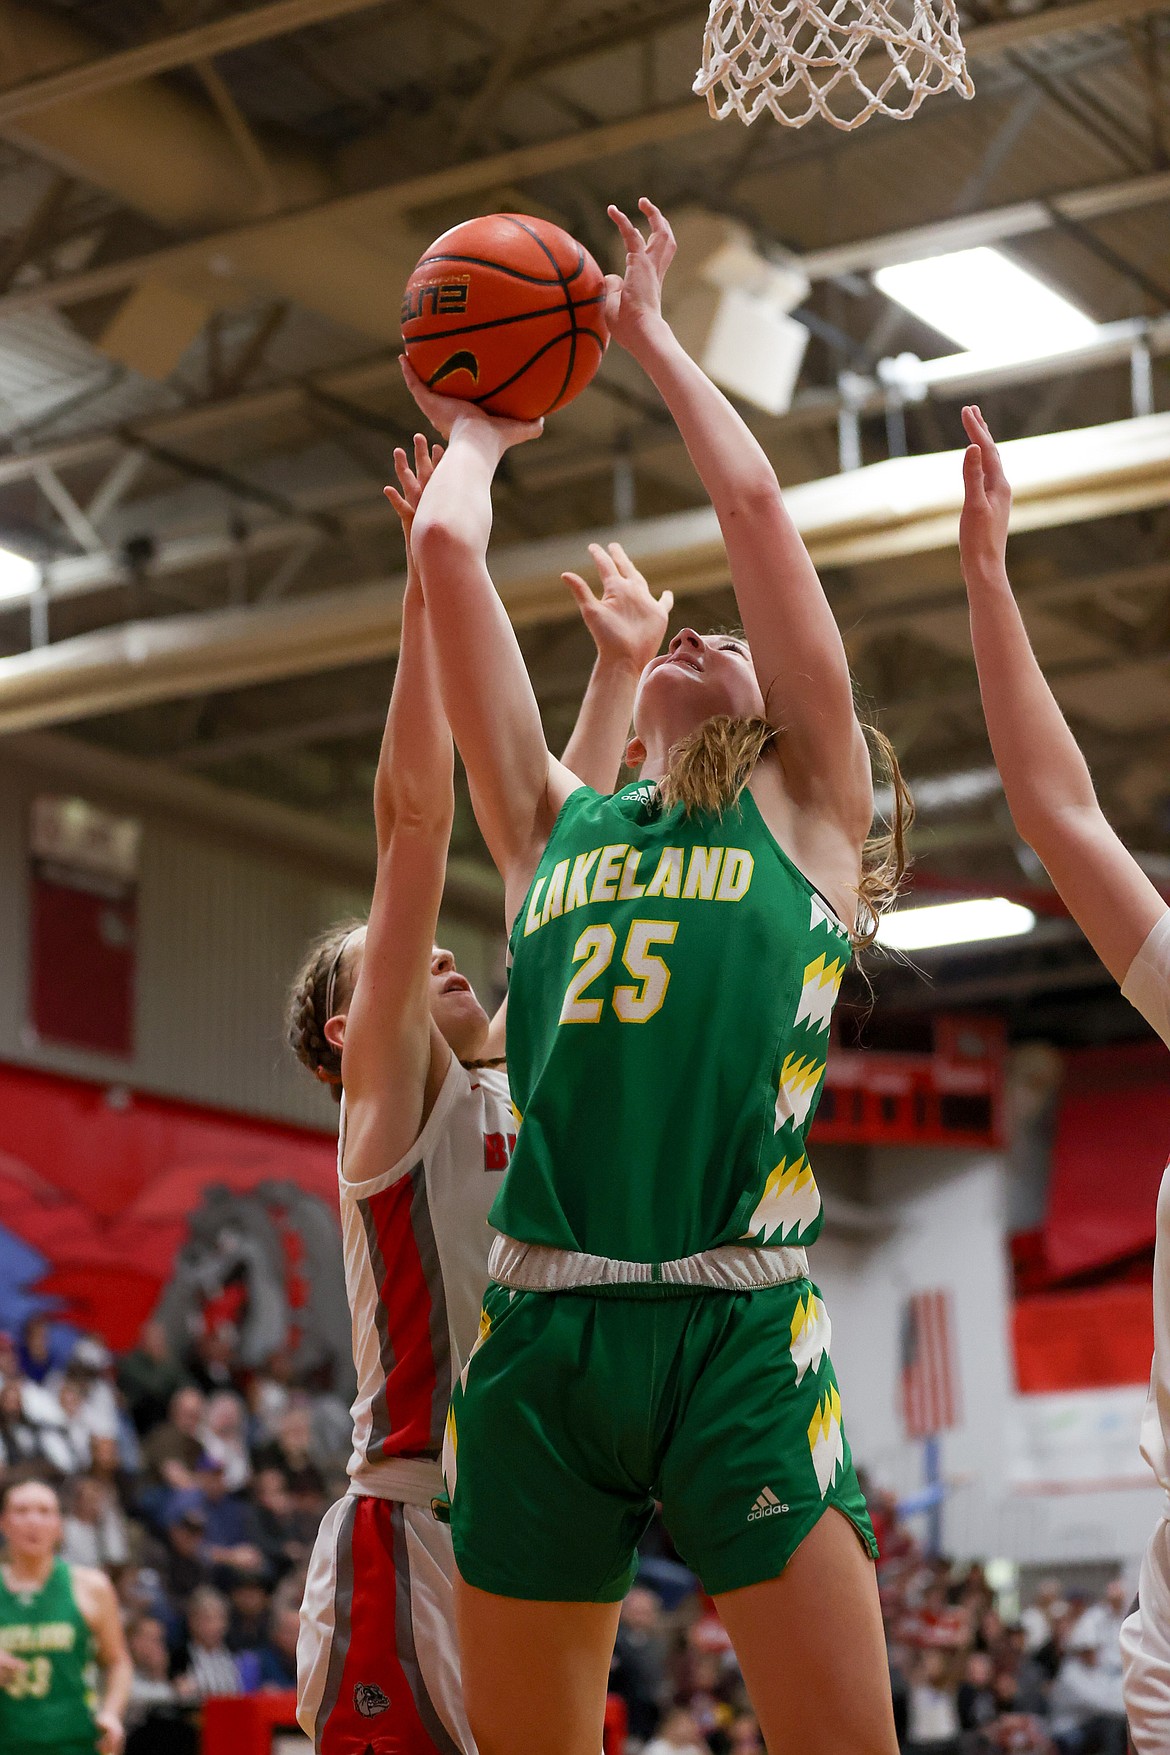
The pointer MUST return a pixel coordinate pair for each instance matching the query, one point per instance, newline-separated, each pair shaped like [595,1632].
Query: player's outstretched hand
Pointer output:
[412,479]
[444,412]
[111,1733]
[633,300]
[12,1669]
[987,503]
[627,621]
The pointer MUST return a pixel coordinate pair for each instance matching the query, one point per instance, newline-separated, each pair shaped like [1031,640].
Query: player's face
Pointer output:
[454,1007]
[31,1523]
[698,677]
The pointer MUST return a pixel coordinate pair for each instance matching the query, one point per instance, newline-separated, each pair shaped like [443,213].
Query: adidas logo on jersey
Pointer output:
[767,1505]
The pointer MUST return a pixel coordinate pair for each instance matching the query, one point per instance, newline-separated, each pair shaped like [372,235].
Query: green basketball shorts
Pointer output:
[576,1412]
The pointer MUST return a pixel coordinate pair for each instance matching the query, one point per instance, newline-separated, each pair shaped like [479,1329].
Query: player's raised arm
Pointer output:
[796,648]
[517,787]
[1046,779]
[388,1040]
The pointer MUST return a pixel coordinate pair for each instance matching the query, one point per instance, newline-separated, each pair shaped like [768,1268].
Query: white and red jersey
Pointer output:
[1145,1635]
[416,1241]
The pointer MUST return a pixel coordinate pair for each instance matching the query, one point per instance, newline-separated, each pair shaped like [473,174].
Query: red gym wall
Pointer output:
[102,1188]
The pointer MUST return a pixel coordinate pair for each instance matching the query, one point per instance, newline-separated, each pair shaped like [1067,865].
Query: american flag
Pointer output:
[930,1388]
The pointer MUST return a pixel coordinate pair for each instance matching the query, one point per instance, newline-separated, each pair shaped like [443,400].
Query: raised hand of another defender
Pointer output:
[446,412]
[633,300]
[627,621]
[411,481]
[987,503]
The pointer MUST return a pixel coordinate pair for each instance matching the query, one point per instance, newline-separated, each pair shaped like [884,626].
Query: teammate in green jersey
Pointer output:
[651,1332]
[58,1624]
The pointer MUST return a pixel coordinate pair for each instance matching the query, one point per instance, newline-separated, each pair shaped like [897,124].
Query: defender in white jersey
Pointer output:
[426,1130]
[1055,809]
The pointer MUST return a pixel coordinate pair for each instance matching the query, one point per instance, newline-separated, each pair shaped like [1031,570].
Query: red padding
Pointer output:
[1111,1146]
[1096,1339]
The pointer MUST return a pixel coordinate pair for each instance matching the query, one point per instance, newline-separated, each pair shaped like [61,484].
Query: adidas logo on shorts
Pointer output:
[767,1505]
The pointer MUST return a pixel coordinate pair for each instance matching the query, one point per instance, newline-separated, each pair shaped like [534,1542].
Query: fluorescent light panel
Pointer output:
[19,577]
[987,303]
[954,923]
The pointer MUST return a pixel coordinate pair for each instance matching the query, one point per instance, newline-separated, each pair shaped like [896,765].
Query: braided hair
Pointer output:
[308,1008]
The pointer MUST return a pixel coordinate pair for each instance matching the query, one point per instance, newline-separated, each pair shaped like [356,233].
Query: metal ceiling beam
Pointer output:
[240,28]
[381,206]
[903,506]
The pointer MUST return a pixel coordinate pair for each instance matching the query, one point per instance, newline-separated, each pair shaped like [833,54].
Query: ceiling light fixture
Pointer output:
[954,923]
[19,577]
[987,303]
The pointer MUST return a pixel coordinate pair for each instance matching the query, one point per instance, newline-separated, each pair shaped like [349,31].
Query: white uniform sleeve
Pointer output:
[1147,981]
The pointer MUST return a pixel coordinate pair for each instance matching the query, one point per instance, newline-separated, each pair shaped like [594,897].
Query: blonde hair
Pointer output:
[307,1010]
[708,769]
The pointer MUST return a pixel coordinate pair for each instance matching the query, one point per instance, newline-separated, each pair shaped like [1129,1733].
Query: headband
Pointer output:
[335,965]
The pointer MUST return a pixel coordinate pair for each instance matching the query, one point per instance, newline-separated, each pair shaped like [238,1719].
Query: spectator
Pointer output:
[250,1612]
[211,1363]
[149,1377]
[292,1451]
[678,1734]
[36,1350]
[96,1532]
[278,1657]
[1100,1625]
[977,1701]
[270,1394]
[1088,1713]
[209,1668]
[1036,1618]
[92,1407]
[185,1567]
[172,1450]
[638,1667]
[933,1714]
[33,1431]
[223,1438]
[152,1686]
[279,1533]
[230,1533]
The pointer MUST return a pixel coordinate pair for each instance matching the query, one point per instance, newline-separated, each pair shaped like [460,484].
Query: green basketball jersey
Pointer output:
[51,1704]
[672,983]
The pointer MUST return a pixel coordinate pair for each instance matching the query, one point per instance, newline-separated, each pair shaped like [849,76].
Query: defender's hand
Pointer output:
[987,501]
[627,621]
[633,300]
[412,481]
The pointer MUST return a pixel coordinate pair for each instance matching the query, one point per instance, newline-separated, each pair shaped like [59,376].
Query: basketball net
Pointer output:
[845,60]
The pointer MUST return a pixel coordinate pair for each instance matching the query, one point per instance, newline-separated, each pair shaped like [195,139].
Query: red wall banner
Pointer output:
[110,1199]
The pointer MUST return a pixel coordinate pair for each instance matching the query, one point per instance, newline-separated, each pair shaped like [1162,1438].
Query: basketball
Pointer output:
[506,312]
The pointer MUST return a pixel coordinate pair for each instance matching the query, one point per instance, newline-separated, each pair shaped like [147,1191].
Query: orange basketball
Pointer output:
[506,312]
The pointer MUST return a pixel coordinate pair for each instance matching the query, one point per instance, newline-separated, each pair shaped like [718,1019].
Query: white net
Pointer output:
[846,60]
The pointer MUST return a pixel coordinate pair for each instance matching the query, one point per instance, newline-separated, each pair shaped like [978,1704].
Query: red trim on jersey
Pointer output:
[406,1298]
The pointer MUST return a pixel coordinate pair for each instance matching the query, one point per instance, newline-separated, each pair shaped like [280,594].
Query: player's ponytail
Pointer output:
[885,858]
[708,769]
[310,1003]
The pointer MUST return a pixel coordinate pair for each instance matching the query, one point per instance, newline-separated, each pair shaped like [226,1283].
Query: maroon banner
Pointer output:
[1111,1145]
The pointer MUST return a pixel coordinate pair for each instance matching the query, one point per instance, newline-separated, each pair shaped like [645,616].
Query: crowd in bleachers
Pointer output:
[968,1677]
[199,1487]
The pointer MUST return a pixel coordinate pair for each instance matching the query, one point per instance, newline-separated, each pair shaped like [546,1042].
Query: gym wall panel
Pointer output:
[221,929]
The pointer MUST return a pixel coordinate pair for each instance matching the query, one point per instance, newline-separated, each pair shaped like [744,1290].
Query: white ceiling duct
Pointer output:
[906,505]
